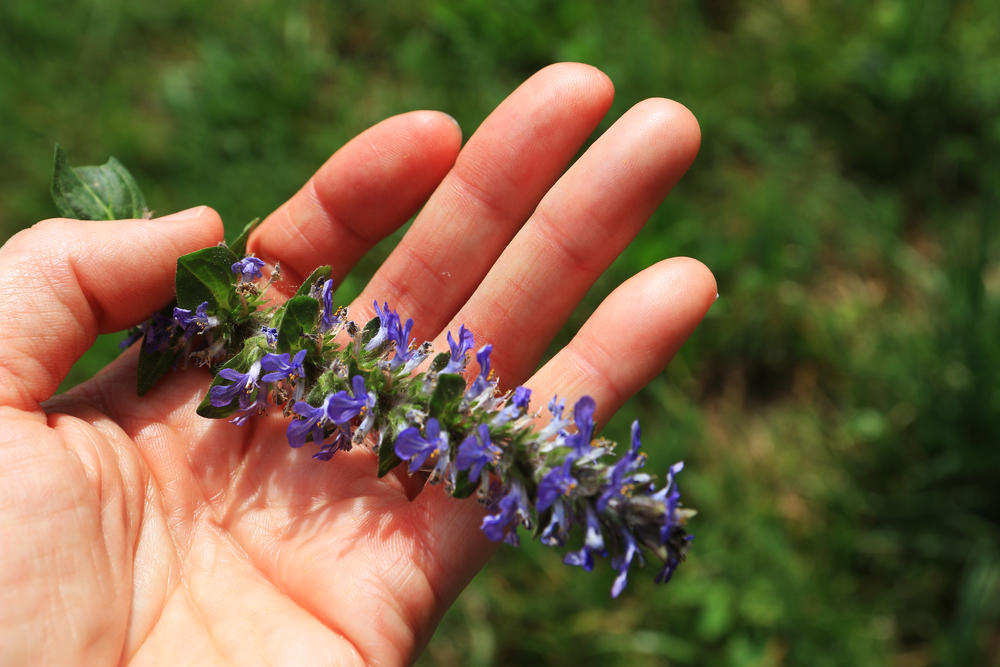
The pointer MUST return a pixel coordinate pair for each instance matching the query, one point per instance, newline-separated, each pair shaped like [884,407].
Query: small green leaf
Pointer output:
[320,273]
[463,486]
[206,275]
[448,392]
[440,361]
[326,384]
[387,458]
[371,328]
[296,317]
[239,244]
[105,192]
[153,364]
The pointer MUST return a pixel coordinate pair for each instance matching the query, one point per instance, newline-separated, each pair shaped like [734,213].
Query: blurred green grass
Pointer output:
[838,409]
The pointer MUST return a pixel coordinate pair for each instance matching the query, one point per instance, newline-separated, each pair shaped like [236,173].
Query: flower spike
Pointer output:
[340,391]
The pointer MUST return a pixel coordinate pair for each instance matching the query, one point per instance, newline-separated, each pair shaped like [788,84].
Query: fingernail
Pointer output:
[188,214]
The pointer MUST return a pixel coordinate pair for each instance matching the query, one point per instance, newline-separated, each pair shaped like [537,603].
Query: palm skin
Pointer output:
[136,531]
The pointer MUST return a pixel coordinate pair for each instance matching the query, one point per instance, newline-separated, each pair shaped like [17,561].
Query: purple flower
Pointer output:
[513,509]
[557,423]
[387,319]
[623,561]
[459,350]
[475,453]
[158,329]
[521,397]
[341,441]
[515,407]
[673,560]
[557,529]
[258,406]
[314,422]
[270,334]
[331,316]
[244,384]
[593,543]
[670,496]
[134,334]
[342,407]
[399,334]
[557,483]
[583,416]
[432,446]
[248,269]
[282,366]
[482,381]
[196,321]
[622,482]
[337,409]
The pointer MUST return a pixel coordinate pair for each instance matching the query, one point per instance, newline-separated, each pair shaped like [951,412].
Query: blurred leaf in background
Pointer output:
[838,410]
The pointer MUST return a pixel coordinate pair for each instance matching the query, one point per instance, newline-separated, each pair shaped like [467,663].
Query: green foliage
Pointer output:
[447,394]
[297,315]
[107,192]
[319,274]
[205,275]
[387,458]
[153,365]
[837,410]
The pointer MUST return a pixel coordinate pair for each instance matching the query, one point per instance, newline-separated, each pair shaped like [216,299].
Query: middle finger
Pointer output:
[578,229]
[499,177]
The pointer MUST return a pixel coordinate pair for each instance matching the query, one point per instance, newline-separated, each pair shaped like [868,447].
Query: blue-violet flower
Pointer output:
[248,269]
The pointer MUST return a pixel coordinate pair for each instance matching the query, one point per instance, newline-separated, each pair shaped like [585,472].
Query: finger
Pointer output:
[625,343]
[64,281]
[371,186]
[498,179]
[578,229]
[631,337]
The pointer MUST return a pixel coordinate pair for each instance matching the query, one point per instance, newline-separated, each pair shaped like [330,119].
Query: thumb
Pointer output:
[62,282]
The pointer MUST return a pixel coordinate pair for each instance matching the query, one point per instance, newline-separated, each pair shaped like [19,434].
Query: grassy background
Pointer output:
[838,410]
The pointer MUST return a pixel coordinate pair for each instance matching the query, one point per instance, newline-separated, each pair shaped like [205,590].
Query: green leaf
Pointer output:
[371,328]
[105,192]
[250,353]
[320,273]
[353,368]
[447,393]
[440,361]
[463,486]
[387,459]
[326,384]
[297,316]
[206,275]
[239,244]
[153,364]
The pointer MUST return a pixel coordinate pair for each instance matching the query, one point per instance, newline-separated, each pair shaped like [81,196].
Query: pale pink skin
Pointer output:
[135,531]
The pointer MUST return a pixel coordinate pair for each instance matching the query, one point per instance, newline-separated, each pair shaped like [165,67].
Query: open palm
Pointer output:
[135,530]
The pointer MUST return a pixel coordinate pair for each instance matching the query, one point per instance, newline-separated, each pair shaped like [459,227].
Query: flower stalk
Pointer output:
[342,385]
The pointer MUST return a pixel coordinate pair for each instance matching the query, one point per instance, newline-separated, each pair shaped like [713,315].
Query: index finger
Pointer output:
[367,189]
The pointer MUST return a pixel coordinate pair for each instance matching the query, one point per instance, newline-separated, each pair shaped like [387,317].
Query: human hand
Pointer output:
[139,531]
